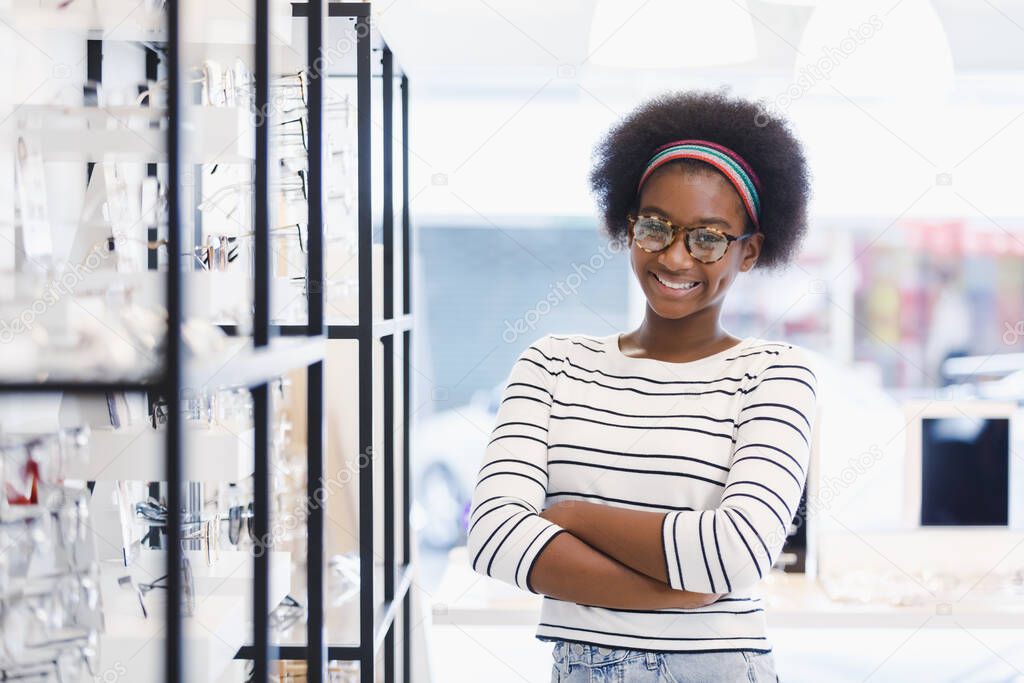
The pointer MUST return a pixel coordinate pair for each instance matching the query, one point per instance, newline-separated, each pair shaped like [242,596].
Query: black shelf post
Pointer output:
[172,383]
[407,250]
[316,565]
[261,337]
[367,633]
[388,222]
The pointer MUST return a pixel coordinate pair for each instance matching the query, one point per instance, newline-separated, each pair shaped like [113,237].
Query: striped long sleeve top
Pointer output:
[720,445]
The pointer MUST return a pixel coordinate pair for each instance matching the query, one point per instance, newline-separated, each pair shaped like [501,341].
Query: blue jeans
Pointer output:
[581,663]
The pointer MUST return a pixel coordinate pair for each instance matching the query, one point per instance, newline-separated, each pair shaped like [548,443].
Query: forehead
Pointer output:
[686,196]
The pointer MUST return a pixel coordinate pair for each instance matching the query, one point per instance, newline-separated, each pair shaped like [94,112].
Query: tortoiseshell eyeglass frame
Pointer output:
[676,229]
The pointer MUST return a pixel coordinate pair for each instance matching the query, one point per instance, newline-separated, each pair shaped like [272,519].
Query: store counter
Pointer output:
[466,598]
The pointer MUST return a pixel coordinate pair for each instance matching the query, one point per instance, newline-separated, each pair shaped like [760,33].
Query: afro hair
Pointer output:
[763,139]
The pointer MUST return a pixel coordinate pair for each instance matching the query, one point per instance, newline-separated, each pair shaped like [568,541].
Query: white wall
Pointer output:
[528,152]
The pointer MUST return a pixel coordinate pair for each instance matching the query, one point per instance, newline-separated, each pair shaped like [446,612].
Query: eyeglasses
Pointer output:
[33,465]
[235,516]
[208,535]
[141,589]
[219,86]
[205,530]
[68,658]
[343,580]
[188,589]
[50,602]
[287,614]
[288,186]
[705,244]
[302,133]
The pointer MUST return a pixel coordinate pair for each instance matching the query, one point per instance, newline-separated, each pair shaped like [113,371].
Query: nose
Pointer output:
[676,258]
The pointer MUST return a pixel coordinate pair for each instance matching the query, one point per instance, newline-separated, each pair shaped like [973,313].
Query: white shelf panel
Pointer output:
[215,454]
[133,646]
[204,22]
[219,134]
[243,365]
[233,288]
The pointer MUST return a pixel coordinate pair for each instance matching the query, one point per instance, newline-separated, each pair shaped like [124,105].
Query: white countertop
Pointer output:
[467,598]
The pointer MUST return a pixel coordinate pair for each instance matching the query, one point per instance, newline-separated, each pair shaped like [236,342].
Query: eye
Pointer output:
[652,223]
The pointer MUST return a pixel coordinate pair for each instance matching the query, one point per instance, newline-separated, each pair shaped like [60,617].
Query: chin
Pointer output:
[676,313]
[673,309]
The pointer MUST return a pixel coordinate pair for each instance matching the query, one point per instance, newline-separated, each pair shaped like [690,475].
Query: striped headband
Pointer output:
[722,158]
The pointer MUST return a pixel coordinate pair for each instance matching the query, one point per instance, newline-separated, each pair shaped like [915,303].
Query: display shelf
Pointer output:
[50,384]
[342,623]
[239,364]
[133,645]
[229,23]
[210,454]
[379,329]
[233,288]
[100,357]
[242,365]
[136,134]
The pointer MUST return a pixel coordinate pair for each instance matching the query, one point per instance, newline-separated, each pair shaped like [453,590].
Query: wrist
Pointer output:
[684,599]
[693,600]
[563,514]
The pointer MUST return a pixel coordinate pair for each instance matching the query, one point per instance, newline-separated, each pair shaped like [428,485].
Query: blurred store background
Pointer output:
[910,286]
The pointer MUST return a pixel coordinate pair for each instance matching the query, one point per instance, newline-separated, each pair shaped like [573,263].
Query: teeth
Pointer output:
[670,285]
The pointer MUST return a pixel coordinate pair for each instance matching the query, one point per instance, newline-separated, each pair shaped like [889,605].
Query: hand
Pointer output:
[561,513]
[688,599]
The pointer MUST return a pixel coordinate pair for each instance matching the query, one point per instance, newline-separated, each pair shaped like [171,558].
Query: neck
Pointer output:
[668,337]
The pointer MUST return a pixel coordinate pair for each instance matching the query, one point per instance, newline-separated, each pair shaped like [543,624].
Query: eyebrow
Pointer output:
[705,220]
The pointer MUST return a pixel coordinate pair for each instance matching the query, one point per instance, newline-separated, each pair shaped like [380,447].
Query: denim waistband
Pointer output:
[568,652]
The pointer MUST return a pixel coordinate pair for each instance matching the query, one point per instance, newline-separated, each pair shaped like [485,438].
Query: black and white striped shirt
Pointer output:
[720,445]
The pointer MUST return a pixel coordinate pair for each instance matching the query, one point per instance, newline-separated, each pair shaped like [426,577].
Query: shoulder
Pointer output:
[786,357]
[574,346]
[543,352]
[777,350]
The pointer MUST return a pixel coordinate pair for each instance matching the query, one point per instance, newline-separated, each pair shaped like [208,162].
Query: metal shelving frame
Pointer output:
[376,622]
[263,365]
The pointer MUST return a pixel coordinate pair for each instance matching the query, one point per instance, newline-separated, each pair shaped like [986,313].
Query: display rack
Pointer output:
[270,356]
[376,621]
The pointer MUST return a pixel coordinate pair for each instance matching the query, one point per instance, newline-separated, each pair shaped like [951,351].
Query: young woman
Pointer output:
[645,482]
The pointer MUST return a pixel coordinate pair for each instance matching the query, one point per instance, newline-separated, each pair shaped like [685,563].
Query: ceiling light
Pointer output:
[873,48]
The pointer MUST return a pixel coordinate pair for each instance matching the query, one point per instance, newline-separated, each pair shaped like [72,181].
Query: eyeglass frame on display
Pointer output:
[142,589]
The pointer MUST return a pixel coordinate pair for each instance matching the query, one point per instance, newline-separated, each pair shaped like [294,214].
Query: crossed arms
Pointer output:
[609,557]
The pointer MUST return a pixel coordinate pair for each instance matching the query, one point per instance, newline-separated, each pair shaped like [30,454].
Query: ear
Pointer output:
[751,251]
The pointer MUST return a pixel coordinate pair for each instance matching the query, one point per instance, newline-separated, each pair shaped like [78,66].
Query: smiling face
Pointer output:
[689,198]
